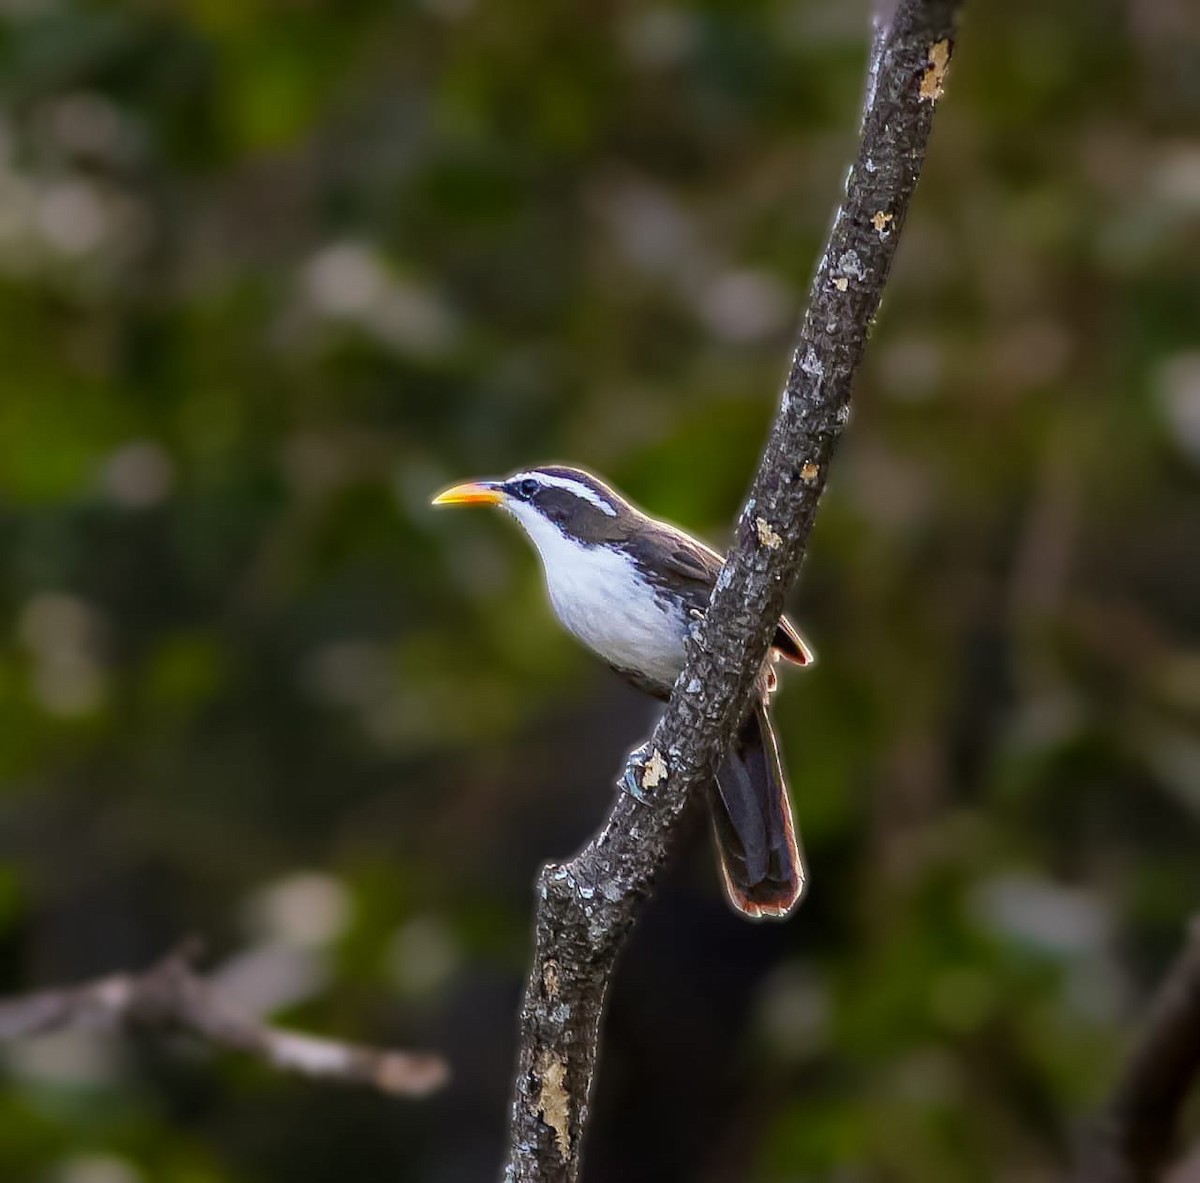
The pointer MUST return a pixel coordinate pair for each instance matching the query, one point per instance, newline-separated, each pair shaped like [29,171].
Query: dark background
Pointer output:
[273,273]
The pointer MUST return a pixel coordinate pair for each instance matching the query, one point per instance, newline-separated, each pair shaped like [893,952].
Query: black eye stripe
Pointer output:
[561,488]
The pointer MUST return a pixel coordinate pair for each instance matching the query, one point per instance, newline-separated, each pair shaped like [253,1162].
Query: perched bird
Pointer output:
[630,588]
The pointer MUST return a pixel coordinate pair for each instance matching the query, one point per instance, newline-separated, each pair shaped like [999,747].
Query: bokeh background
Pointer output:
[272,273]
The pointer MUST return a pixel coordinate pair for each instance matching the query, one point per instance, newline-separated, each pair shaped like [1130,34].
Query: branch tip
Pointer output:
[171,995]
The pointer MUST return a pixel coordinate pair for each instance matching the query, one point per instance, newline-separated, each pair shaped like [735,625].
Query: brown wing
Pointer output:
[690,566]
[688,559]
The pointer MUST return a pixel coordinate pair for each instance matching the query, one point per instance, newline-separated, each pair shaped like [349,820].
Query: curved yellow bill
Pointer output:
[472,493]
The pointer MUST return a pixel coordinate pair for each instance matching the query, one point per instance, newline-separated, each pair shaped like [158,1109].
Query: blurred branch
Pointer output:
[172,995]
[1136,1138]
[587,905]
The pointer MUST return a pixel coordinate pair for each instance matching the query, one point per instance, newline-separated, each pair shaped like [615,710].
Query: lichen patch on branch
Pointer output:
[655,771]
[850,264]
[554,1103]
[935,74]
[767,534]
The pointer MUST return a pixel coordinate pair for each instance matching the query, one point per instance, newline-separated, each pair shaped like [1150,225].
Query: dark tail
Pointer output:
[752,822]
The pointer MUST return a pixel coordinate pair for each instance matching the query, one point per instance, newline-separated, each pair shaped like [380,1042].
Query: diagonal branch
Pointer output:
[1136,1138]
[172,995]
[587,905]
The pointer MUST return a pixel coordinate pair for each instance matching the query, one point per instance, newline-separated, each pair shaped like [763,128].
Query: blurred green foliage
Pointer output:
[271,273]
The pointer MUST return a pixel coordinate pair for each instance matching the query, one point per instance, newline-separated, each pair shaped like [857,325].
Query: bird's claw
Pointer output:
[631,778]
[694,624]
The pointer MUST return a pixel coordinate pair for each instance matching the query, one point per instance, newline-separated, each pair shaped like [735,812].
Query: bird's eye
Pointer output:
[527,488]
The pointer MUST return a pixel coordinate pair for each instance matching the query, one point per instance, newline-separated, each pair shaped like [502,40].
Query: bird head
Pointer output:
[567,501]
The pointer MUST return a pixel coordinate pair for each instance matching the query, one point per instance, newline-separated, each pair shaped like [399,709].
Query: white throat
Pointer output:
[601,599]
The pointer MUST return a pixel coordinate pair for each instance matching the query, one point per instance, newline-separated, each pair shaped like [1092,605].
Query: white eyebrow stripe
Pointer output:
[572,486]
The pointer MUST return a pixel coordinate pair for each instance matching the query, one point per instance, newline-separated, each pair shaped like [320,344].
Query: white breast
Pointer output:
[598,597]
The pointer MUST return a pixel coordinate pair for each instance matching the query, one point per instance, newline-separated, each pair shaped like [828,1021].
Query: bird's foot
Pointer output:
[694,623]
[635,772]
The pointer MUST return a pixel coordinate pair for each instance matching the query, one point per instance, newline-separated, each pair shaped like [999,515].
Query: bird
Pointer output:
[632,588]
